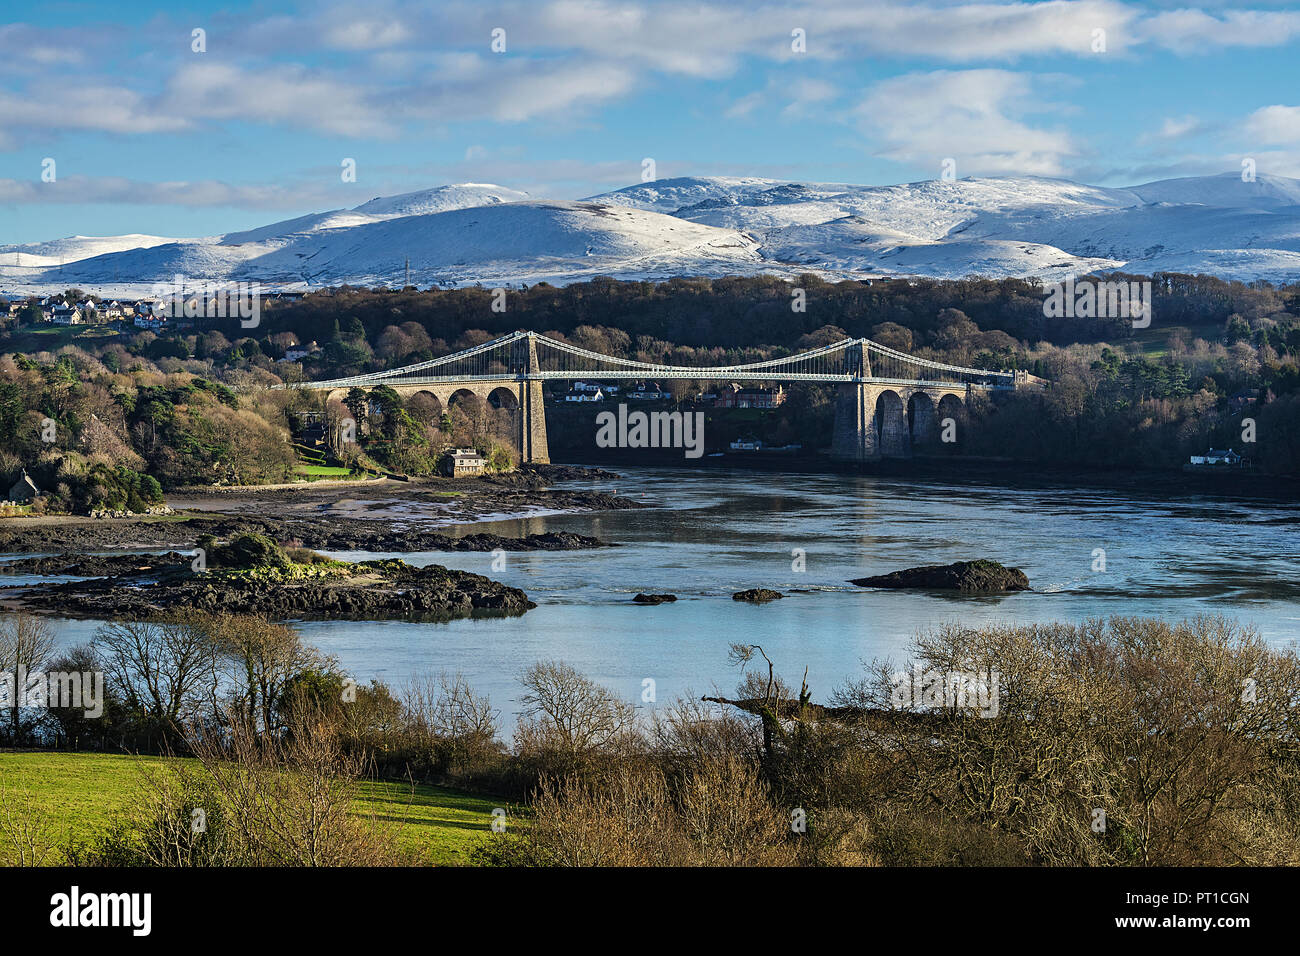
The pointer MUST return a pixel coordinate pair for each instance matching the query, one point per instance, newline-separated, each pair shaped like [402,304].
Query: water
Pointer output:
[709,534]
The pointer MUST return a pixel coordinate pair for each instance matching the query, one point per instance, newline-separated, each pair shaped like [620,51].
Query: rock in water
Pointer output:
[654,598]
[969,577]
[757,595]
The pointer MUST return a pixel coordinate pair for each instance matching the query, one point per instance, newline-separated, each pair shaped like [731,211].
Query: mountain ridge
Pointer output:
[470,233]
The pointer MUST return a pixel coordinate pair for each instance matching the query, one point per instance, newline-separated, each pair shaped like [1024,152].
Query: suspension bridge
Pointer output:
[888,400]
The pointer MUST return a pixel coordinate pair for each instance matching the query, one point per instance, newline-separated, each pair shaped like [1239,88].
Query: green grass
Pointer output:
[1154,340]
[79,795]
[323,471]
[38,338]
[439,825]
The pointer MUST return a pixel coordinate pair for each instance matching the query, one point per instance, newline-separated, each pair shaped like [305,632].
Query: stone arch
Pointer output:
[503,396]
[951,407]
[425,406]
[891,425]
[922,419]
[466,399]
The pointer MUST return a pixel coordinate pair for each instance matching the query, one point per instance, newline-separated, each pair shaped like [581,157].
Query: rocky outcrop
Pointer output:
[349,539]
[96,565]
[568,472]
[370,591]
[322,534]
[654,598]
[154,511]
[757,595]
[968,577]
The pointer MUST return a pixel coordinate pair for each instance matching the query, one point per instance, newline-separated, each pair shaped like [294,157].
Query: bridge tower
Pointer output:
[854,435]
[532,412]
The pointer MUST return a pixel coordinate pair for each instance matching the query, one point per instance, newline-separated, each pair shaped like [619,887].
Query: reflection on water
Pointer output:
[709,534]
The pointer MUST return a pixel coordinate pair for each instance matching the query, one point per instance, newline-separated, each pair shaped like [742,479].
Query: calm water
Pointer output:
[709,534]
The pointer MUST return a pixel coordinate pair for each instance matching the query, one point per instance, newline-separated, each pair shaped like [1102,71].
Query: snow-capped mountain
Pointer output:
[477,233]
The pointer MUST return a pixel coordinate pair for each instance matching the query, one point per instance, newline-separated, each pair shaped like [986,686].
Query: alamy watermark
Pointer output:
[651,430]
[1094,299]
[210,300]
[44,689]
[952,690]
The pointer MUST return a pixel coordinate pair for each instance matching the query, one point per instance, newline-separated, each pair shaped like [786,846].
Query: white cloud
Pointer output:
[62,105]
[290,95]
[1173,129]
[807,94]
[1177,128]
[972,116]
[393,62]
[745,105]
[205,193]
[366,34]
[1191,31]
[1274,126]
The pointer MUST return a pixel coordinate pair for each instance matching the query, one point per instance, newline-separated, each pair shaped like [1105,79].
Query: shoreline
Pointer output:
[1002,472]
[400,517]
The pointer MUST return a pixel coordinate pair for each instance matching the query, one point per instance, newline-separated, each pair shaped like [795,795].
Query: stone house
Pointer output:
[463,462]
[24,491]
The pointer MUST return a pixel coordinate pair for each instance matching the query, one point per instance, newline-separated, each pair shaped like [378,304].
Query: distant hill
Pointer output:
[480,233]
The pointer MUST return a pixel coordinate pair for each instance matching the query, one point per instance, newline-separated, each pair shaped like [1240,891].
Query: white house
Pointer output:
[154,323]
[296,352]
[648,393]
[575,396]
[64,314]
[1217,456]
[463,461]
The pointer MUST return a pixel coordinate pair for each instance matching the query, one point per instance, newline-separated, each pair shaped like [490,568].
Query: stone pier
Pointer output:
[516,391]
[874,421]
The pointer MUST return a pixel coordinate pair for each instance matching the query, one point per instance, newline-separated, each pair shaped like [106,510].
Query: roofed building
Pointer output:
[463,462]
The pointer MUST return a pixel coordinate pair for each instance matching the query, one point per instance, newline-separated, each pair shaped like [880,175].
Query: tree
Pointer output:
[358,403]
[163,671]
[75,729]
[1181,734]
[577,712]
[261,658]
[26,645]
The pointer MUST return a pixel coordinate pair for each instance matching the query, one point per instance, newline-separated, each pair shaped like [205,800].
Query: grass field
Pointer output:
[1154,340]
[323,471]
[81,794]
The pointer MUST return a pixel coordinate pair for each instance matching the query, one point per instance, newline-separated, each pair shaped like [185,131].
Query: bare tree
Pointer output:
[25,827]
[1127,741]
[288,800]
[26,645]
[260,659]
[574,710]
[456,726]
[165,670]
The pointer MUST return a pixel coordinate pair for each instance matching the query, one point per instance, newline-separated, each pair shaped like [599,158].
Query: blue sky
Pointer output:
[149,135]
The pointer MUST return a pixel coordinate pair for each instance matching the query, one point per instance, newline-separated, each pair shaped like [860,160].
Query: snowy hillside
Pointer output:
[479,233]
[440,199]
[75,248]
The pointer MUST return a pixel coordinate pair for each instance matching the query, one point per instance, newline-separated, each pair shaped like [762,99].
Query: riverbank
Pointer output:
[391,516]
[254,575]
[982,471]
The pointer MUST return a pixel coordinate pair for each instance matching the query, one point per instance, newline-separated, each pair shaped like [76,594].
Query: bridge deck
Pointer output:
[363,381]
[527,356]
